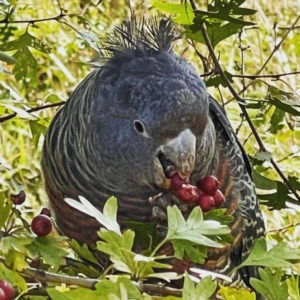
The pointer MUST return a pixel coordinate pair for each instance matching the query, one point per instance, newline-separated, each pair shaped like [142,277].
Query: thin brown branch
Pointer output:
[275,76]
[6,20]
[241,103]
[272,53]
[44,276]
[33,21]
[12,115]
[288,28]
[283,228]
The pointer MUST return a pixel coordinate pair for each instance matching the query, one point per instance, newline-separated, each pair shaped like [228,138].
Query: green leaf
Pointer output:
[277,117]
[262,182]
[281,100]
[217,80]
[293,287]
[196,254]
[77,294]
[270,285]
[184,11]
[37,128]
[293,180]
[24,60]
[108,218]
[49,248]
[107,287]
[53,98]
[231,293]
[194,229]
[263,156]
[220,215]
[114,245]
[7,58]
[277,257]
[5,211]
[83,251]
[13,277]
[202,291]
[276,200]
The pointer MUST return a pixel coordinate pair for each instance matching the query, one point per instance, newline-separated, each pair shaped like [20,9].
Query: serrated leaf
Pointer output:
[107,287]
[293,287]
[293,180]
[263,156]
[202,291]
[262,182]
[83,251]
[219,215]
[276,118]
[276,257]
[217,33]
[196,254]
[269,280]
[280,99]
[36,130]
[184,11]
[115,245]
[194,229]
[5,211]
[231,293]
[276,200]
[24,60]
[49,248]
[16,260]
[13,277]
[108,218]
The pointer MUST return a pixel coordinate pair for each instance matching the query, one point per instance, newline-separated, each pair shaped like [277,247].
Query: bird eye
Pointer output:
[138,126]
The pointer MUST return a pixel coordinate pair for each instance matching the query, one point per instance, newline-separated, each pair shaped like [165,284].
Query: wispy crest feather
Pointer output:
[147,37]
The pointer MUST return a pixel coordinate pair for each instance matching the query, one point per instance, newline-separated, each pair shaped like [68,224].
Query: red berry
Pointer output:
[18,198]
[208,185]
[46,211]
[219,198]
[8,290]
[2,295]
[187,193]
[177,181]
[41,225]
[206,202]
[35,263]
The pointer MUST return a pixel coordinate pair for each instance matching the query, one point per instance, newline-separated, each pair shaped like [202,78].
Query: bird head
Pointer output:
[149,110]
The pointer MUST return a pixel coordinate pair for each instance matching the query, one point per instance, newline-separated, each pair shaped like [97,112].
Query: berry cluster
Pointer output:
[6,290]
[41,225]
[205,193]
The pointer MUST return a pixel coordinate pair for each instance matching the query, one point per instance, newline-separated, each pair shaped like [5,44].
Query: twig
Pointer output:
[283,228]
[275,76]
[32,21]
[241,103]
[44,276]
[272,53]
[8,117]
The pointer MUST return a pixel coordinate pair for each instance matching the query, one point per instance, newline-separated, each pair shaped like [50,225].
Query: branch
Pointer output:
[241,103]
[283,228]
[32,21]
[273,52]
[8,117]
[275,76]
[44,276]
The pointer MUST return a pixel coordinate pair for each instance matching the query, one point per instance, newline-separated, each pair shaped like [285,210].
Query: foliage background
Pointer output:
[65,40]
